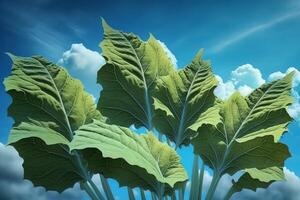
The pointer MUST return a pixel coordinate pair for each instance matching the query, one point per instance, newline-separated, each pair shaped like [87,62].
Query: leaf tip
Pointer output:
[105,25]
[10,55]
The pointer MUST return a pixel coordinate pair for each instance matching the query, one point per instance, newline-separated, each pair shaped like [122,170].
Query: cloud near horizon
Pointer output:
[280,190]
[246,78]
[14,187]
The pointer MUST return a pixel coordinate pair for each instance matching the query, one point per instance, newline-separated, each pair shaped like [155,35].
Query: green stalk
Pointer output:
[200,182]
[173,196]
[195,175]
[106,188]
[143,196]
[153,196]
[87,188]
[130,193]
[229,193]
[181,192]
[213,185]
[96,190]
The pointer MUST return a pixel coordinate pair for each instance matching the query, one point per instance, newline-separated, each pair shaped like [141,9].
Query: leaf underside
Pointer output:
[246,138]
[48,105]
[128,77]
[184,101]
[134,160]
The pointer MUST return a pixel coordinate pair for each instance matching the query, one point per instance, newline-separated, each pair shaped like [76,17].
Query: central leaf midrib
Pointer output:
[78,159]
[228,146]
[146,94]
[183,113]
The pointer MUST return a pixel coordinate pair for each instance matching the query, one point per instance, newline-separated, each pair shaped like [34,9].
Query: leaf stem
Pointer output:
[106,188]
[195,174]
[130,193]
[213,185]
[89,191]
[229,193]
[181,192]
[96,190]
[143,196]
[200,182]
[153,196]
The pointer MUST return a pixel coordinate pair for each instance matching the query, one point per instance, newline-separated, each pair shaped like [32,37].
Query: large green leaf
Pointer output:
[128,77]
[249,131]
[48,106]
[184,101]
[256,178]
[134,160]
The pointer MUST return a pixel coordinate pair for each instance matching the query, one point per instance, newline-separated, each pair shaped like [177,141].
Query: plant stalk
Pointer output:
[106,188]
[195,174]
[87,188]
[229,193]
[181,192]
[143,196]
[96,190]
[130,193]
[213,185]
[200,182]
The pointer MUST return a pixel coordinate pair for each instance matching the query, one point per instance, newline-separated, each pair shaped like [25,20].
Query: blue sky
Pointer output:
[233,33]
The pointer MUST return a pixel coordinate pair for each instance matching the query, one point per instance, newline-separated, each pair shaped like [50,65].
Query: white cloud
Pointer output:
[169,53]
[281,190]
[224,89]
[12,185]
[247,75]
[79,58]
[278,75]
[244,79]
[245,90]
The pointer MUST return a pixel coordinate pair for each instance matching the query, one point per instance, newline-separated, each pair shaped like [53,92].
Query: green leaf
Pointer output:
[134,160]
[254,178]
[48,105]
[128,77]
[184,101]
[246,137]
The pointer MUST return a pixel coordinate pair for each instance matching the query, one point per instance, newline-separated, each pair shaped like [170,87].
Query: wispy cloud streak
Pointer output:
[252,30]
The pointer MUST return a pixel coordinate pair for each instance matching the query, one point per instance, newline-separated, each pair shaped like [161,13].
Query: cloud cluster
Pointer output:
[281,190]
[81,59]
[13,186]
[246,78]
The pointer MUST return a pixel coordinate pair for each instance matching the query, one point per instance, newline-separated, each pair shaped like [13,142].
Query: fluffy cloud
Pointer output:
[278,75]
[246,78]
[13,186]
[79,58]
[247,75]
[169,53]
[294,109]
[224,89]
[283,190]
